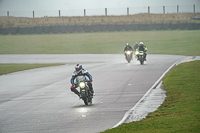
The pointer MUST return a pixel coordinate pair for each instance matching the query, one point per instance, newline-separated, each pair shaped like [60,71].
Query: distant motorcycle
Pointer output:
[140,56]
[128,55]
[85,93]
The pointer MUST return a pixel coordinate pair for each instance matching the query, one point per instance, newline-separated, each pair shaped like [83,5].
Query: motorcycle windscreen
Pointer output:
[81,78]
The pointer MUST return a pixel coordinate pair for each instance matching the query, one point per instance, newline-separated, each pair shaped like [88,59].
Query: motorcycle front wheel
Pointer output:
[129,59]
[141,61]
[84,97]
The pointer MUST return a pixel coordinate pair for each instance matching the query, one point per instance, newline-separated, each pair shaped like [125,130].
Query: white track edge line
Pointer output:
[154,86]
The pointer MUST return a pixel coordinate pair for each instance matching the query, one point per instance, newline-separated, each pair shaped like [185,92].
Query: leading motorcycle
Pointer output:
[128,55]
[85,93]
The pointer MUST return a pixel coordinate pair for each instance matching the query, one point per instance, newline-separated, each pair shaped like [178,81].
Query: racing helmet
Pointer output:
[141,43]
[136,43]
[78,67]
[127,44]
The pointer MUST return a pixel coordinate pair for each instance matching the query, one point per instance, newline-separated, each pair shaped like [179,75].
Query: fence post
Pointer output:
[84,12]
[33,14]
[163,9]
[127,11]
[106,11]
[194,8]
[59,13]
[7,13]
[148,9]
[177,8]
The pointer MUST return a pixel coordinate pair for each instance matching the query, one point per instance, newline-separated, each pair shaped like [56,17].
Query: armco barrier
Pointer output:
[98,28]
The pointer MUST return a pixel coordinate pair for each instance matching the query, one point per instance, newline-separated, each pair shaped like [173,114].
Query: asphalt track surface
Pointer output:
[40,101]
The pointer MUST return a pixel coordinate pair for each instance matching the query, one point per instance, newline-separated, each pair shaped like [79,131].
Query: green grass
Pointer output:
[177,42]
[180,112]
[9,68]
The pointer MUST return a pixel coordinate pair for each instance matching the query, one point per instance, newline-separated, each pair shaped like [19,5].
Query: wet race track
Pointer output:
[40,100]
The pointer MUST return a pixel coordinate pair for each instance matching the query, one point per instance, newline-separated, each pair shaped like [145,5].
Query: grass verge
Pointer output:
[9,68]
[180,112]
[175,42]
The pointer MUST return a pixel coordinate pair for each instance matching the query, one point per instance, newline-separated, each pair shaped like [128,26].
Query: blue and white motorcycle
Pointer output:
[85,93]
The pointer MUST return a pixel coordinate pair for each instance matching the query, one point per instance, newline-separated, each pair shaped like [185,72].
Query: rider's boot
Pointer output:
[92,91]
[78,94]
[145,57]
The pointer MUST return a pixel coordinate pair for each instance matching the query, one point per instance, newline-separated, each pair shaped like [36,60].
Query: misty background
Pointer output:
[41,8]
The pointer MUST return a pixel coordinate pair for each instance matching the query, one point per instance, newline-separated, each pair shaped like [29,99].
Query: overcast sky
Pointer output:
[47,5]
[29,5]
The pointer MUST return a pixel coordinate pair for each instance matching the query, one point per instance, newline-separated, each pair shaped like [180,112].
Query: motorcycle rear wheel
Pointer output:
[85,101]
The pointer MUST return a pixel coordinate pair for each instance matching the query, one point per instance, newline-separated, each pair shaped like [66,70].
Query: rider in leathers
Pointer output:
[128,48]
[142,47]
[79,71]
[136,46]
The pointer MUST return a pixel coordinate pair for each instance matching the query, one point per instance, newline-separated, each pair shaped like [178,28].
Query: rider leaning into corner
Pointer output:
[142,47]
[79,71]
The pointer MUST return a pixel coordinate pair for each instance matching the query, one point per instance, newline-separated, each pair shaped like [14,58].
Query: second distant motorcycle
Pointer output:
[128,55]
[128,52]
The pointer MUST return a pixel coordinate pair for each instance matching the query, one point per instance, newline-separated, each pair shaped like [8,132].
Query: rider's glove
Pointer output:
[90,80]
